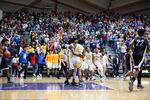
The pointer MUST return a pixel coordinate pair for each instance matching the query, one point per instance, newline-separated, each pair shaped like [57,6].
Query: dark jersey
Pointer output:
[4,63]
[140,44]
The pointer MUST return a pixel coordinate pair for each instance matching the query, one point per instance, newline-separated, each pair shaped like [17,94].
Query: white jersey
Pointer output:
[105,60]
[70,55]
[89,56]
[89,61]
[79,49]
[97,57]
[77,60]
[98,60]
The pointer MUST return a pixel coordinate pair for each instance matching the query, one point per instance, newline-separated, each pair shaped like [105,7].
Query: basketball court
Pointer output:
[54,89]
[42,40]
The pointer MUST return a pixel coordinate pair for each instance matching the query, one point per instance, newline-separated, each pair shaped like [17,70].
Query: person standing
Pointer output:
[41,63]
[140,47]
[23,62]
[15,62]
[4,57]
[33,61]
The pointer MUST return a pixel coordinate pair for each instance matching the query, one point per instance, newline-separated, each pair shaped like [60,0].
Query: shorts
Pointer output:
[49,65]
[84,65]
[98,65]
[77,61]
[91,65]
[55,66]
[137,59]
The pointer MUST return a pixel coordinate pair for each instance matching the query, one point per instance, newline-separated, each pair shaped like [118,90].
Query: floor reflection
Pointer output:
[52,86]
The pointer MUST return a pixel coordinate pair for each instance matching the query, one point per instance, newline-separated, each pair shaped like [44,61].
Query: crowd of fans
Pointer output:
[35,34]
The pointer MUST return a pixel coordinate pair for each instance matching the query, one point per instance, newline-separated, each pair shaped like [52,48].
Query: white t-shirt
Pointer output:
[15,60]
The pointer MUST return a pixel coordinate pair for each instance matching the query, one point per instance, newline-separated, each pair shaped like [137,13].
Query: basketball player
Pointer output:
[77,59]
[84,69]
[98,62]
[5,54]
[89,61]
[5,65]
[140,46]
[70,69]
[76,53]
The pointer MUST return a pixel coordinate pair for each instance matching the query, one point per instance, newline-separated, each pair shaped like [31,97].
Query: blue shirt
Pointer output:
[41,59]
[23,57]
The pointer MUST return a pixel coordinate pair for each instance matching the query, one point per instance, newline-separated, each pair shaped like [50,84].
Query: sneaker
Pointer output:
[9,82]
[58,77]
[131,85]
[34,75]
[81,82]
[67,82]
[93,78]
[86,78]
[139,86]
[102,79]
[73,83]
[40,75]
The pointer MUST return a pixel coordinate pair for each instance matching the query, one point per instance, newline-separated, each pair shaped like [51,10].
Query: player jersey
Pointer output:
[97,57]
[139,45]
[79,49]
[88,55]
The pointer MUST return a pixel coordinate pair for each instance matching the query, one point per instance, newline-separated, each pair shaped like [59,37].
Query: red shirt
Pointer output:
[33,59]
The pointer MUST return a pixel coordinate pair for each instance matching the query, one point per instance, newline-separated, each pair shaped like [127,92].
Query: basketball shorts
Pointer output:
[77,61]
[84,65]
[137,60]
[99,65]
[90,64]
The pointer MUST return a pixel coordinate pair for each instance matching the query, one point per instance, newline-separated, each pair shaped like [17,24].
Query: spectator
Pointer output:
[41,63]
[23,62]
[15,63]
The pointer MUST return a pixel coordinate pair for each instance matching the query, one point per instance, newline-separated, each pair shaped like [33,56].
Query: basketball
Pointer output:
[7,54]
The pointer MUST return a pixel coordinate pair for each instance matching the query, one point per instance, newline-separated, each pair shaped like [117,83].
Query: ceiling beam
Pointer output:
[92,5]
[128,5]
[19,4]
[139,10]
[32,4]
[72,7]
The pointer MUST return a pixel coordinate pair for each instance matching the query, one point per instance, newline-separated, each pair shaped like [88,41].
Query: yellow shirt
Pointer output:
[55,58]
[49,58]
[43,48]
[60,56]
[30,50]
